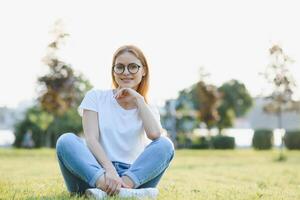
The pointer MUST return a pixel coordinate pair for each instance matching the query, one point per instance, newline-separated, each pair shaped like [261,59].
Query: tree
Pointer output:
[61,92]
[61,87]
[235,102]
[209,99]
[187,118]
[278,74]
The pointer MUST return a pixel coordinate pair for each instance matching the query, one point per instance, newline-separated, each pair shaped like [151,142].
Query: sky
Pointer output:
[230,39]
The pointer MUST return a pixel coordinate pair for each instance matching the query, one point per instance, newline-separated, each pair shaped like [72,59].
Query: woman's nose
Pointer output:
[126,71]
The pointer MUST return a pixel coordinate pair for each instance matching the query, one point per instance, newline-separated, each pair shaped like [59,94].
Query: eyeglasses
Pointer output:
[133,68]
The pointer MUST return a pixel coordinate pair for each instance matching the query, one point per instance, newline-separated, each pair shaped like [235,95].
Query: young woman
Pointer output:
[124,146]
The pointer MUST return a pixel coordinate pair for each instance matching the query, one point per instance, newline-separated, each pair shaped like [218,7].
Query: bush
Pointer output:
[200,143]
[262,139]
[292,139]
[45,128]
[183,141]
[21,127]
[223,142]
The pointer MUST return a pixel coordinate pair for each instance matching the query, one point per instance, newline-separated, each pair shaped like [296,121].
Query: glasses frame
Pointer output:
[126,66]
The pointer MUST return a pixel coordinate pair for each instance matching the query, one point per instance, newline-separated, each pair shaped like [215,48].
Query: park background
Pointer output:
[224,75]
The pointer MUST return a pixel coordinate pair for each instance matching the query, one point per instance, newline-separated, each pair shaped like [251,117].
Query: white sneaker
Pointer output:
[144,193]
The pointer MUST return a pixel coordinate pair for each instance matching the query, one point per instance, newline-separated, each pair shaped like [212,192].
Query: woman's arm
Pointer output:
[91,131]
[111,182]
[152,126]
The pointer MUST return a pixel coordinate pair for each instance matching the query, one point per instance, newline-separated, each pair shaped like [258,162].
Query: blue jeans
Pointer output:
[80,169]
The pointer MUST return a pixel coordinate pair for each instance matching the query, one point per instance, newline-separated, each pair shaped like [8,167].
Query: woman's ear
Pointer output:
[144,73]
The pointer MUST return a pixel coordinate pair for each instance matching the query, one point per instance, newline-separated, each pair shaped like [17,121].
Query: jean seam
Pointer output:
[59,154]
[164,165]
[159,169]
[133,177]
[93,180]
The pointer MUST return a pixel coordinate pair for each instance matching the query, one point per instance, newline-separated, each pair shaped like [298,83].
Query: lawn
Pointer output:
[193,174]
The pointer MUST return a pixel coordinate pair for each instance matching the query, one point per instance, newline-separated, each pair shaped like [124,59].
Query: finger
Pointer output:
[114,188]
[117,95]
[109,184]
[118,188]
[106,183]
[109,189]
[123,91]
[119,92]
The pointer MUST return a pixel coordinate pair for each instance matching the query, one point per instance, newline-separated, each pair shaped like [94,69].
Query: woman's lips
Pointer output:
[126,79]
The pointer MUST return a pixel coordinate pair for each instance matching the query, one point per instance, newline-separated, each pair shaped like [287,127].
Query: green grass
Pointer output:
[206,174]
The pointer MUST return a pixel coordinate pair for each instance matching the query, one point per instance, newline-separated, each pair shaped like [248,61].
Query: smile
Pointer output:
[126,79]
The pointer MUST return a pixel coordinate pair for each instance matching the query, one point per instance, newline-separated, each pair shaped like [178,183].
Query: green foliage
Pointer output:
[236,101]
[186,100]
[56,111]
[227,117]
[187,117]
[223,142]
[230,101]
[61,87]
[203,142]
[183,141]
[292,139]
[70,121]
[44,131]
[263,139]
[30,122]
[200,143]
[186,123]
[41,118]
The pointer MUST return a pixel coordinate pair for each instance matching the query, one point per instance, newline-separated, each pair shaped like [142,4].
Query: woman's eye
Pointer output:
[119,67]
[133,66]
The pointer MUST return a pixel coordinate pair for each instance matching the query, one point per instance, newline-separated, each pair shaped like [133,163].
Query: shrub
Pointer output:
[263,139]
[200,143]
[45,129]
[223,142]
[292,139]
[183,141]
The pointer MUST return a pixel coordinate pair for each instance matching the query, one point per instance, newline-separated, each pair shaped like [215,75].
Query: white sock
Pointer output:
[149,193]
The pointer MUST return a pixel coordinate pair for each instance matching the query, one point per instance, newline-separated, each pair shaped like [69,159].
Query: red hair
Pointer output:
[144,84]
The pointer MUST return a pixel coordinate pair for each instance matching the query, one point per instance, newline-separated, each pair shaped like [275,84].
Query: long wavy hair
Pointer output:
[144,84]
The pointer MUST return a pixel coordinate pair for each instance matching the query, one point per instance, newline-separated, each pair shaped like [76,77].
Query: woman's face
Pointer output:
[131,63]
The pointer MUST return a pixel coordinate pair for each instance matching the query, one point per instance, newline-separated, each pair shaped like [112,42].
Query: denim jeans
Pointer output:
[80,169]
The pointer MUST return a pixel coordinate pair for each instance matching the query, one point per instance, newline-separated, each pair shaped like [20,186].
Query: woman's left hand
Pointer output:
[127,94]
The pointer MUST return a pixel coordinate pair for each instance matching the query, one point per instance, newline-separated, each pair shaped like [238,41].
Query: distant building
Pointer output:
[256,118]
[9,116]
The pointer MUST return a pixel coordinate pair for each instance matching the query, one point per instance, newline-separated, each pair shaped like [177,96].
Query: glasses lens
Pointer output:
[119,68]
[133,68]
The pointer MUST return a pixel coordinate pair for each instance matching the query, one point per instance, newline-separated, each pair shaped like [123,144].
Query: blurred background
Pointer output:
[224,74]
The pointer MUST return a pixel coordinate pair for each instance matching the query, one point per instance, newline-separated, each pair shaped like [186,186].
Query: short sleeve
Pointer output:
[89,102]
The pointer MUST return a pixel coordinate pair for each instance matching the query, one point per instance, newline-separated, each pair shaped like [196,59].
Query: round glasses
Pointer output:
[133,68]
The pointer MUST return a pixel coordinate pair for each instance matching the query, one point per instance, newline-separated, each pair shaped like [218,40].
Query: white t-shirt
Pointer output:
[122,134]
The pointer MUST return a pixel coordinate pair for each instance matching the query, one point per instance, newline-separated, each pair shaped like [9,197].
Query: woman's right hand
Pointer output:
[112,182]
